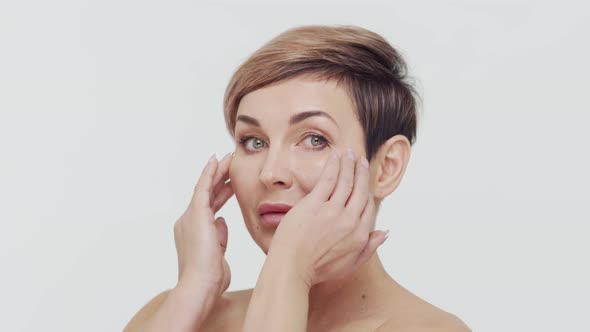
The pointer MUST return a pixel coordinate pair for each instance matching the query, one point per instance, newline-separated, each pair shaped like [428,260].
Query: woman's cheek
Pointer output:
[308,172]
[232,170]
[236,175]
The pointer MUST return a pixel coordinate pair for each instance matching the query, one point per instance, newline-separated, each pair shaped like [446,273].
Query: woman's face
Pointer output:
[280,152]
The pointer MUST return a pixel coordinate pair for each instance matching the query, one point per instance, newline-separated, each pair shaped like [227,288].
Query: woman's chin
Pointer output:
[262,238]
[261,234]
[263,242]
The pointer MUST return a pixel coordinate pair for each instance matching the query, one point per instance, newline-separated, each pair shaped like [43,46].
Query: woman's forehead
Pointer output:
[283,100]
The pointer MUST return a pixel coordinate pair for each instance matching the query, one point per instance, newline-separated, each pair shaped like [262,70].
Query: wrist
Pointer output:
[196,300]
[280,300]
[201,291]
[198,282]
[183,309]
[285,269]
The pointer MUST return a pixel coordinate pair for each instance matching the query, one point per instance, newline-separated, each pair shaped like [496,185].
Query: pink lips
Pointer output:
[272,213]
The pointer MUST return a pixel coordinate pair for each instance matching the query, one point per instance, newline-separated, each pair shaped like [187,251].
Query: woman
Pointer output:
[308,110]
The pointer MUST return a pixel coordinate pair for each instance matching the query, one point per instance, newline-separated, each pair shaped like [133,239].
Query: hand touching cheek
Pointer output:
[308,172]
[328,234]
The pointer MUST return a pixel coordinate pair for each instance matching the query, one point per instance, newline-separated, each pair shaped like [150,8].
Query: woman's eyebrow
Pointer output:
[293,120]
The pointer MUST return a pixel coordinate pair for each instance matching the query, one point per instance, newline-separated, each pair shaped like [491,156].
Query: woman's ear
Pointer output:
[389,164]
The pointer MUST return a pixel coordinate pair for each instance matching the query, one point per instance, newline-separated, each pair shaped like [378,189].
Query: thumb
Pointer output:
[221,227]
[376,238]
[226,277]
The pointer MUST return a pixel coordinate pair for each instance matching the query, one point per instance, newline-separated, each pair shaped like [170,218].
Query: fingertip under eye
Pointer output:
[351,154]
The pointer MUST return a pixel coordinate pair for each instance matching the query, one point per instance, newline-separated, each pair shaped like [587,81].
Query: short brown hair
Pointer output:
[374,74]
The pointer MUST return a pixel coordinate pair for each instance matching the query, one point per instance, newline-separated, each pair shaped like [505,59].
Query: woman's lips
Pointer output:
[272,213]
[272,219]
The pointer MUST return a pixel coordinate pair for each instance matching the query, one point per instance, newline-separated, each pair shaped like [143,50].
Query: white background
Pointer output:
[109,110]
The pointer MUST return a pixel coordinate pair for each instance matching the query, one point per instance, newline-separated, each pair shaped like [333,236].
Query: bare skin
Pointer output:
[386,306]
[277,162]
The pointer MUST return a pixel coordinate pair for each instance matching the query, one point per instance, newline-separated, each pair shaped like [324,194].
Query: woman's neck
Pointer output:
[357,294]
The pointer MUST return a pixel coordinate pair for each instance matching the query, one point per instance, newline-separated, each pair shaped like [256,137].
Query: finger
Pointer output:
[221,227]
[219,185]
[366,222]
[203,187]
[327,180]
[222,173]
[345,180]
[376,238]
[360,191]
[225,193]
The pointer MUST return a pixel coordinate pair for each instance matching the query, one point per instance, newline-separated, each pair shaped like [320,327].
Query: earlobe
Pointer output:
[391,161]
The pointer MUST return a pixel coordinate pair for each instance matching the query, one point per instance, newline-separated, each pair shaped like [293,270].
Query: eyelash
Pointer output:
[242,141]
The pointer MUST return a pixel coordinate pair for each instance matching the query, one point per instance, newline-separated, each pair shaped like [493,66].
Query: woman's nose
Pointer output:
[276,171]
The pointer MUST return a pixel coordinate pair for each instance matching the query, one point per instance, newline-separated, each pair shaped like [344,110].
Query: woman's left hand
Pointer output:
[328,234]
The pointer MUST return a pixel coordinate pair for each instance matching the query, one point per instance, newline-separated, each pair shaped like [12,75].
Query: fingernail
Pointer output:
[350,154]
[365,162]
[227,156]
[386,235]
[213,157]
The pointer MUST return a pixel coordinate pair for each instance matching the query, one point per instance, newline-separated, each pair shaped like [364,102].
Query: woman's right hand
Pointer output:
[201,240]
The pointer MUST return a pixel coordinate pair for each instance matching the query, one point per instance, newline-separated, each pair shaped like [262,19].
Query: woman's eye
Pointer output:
[316,141]
[252,143]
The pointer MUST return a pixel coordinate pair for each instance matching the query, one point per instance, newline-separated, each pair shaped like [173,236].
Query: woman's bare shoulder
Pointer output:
[443,323]
[148,310]
[229,312]
[418,315]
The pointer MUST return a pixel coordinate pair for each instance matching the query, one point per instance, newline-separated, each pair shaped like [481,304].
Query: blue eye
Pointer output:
[258,143]
[316,140]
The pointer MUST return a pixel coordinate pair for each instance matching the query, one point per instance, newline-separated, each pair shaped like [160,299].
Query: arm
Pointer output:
[203,272]
[173,310]
[280,300]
